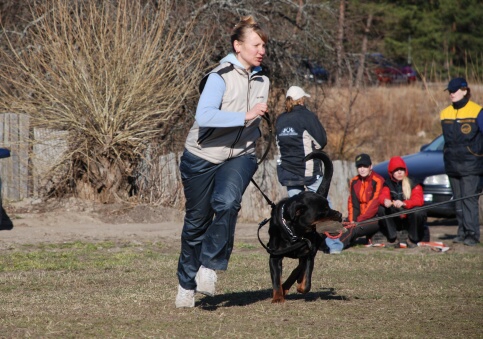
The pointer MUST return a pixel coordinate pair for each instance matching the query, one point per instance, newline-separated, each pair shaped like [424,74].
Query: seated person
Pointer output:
[401,193]
[363,204]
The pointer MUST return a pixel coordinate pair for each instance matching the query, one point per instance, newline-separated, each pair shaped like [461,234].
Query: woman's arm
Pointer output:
[208,113]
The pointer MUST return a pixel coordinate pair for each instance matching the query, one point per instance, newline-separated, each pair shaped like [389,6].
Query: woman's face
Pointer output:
[399,174]
[251,51]
[458,95]
[364,171]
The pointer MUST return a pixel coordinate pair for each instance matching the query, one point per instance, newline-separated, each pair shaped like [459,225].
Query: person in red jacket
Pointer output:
[363,204]
[401,193]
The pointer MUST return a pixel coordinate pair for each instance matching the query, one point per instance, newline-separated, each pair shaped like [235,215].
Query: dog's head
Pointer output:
[302,212]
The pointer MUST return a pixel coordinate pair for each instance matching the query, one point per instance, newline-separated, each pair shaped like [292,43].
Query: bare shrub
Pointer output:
[115,75]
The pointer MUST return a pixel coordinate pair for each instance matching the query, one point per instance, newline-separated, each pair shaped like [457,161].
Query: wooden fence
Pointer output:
[14,171]
[22,173]
[254,206]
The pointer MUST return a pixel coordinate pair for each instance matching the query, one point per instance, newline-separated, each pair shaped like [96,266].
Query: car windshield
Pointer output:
[436,145]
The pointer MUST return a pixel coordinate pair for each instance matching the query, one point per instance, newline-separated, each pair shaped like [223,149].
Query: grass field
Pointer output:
[127,290]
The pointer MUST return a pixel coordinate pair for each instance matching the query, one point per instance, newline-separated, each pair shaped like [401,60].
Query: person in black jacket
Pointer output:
[299,132]
[462,125]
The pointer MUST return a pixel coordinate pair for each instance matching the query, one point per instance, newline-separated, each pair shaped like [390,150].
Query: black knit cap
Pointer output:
[363,160]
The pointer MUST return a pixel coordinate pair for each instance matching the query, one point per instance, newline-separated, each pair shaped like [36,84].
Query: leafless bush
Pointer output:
[116,75]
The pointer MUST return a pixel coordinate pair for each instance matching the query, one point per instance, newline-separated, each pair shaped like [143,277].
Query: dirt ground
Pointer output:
[74,220]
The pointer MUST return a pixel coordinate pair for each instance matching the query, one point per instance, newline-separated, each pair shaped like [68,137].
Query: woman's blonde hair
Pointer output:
[290,103]
[406,187]
[242,28]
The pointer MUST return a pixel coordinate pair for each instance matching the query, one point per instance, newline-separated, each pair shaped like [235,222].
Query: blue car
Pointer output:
[427,166]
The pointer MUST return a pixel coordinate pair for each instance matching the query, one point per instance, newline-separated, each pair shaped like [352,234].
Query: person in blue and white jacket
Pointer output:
[219,160]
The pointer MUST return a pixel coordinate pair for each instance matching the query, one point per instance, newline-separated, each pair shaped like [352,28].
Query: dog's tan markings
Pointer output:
[301,287]
[279,294]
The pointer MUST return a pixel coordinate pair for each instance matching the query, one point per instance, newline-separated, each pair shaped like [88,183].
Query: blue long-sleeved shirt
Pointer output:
[208,113]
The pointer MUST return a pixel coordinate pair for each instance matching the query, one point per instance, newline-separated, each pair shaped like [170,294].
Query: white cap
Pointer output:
[296,93]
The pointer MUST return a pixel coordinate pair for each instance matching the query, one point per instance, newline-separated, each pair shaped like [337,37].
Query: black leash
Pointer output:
[415,209]
[266,117]
[300,243]
[270,202]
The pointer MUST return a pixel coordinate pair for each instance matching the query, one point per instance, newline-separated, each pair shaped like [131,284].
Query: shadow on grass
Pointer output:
[443,222]
[250,297]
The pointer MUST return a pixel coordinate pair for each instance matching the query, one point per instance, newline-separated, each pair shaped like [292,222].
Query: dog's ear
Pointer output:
[296,209]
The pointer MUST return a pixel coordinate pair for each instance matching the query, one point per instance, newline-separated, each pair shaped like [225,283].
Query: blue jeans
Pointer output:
[213,198]
[294,190]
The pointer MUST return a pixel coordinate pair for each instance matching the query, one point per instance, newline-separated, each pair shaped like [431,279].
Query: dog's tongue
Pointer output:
[330,226]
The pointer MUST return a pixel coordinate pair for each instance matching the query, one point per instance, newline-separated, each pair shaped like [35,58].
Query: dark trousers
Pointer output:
[368,230]
[466,209]
[413,223]
[213,198]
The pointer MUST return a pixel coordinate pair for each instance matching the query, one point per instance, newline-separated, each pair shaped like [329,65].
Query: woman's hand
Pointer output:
[398,204]
[258,110]
[387,203]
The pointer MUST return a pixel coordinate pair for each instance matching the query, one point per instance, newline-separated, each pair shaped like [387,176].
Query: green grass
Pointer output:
[113,290]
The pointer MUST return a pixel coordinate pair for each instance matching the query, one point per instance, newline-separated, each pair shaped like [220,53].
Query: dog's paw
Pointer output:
[278,301]
[278,296]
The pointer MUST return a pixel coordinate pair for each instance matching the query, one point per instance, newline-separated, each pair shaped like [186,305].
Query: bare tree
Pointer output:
[362,58]
[340,42]
[116,76]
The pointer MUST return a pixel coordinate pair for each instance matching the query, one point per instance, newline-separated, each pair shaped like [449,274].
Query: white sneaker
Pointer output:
[205,281]
[185,298]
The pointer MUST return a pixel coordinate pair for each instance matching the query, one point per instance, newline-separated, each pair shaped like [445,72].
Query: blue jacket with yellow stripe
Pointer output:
[463,149]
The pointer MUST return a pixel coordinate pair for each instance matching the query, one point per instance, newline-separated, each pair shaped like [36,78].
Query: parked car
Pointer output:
[427,166]
[388,72]
[310,70]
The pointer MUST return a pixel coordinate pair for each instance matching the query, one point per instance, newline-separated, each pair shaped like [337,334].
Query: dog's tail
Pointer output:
[328,171]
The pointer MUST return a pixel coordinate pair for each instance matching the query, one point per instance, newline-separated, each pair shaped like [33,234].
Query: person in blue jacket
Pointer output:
[220,159]
[299,133]
[5,222]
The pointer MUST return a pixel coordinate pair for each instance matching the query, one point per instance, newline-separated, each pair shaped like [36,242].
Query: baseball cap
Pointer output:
[363,160]
[455,84]
[296,93]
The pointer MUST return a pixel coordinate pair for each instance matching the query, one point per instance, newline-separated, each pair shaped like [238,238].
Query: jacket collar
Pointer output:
[231,58]
[460,104]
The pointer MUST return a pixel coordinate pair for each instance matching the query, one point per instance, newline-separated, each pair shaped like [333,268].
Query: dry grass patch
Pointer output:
[128,289]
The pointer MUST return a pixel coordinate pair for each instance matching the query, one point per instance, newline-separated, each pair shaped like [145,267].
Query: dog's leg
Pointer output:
[304,281]
[294,276]
[276,274]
